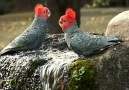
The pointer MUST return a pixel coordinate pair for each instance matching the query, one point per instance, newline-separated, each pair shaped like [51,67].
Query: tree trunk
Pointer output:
[58,8]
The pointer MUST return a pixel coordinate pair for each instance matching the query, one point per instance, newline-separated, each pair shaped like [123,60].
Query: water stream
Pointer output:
[54,74]
[19,72]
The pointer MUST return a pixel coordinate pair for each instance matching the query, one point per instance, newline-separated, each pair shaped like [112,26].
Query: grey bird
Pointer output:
[82,43]
[33,37]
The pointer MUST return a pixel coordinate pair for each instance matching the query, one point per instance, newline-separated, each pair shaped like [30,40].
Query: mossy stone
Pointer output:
[82,76]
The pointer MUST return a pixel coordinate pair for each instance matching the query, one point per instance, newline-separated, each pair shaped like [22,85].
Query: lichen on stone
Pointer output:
[13,81]
[32,66]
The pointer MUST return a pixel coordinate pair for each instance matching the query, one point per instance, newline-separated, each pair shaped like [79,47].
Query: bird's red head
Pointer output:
[67,19]
[42,11]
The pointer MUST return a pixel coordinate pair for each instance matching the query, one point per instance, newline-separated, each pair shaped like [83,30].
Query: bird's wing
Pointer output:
[21,42]
[25,39]
[84,42]
[97,41]
[77,42]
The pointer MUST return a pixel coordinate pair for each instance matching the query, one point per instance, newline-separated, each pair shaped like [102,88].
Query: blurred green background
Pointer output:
[92,15]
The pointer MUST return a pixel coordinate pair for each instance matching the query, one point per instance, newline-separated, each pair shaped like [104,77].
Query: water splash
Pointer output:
[54,74]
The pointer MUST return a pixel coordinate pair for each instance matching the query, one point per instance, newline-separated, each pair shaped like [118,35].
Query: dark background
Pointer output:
[92,15]
[24,5]
[58,6]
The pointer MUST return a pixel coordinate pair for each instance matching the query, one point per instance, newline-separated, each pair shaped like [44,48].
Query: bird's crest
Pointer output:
[70,13]
[38,8]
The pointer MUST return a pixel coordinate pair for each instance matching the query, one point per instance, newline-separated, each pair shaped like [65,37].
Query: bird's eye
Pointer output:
[44,12]
[64,21]
[47,10]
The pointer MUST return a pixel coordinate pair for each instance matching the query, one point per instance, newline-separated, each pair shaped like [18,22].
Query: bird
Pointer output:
[82,43]
[33,36]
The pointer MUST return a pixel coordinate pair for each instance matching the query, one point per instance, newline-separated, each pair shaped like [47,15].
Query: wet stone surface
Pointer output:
[46,68]
[21,71]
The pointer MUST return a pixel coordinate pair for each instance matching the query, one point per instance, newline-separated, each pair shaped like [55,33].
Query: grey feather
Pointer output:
[84,43]
[31,39]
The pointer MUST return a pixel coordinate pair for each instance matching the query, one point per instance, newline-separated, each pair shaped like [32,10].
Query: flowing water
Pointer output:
[54,74]
[20,72]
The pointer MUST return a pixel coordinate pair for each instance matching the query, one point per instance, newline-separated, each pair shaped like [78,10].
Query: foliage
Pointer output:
[107,3]
[7,6]
[100,3]
[82,76]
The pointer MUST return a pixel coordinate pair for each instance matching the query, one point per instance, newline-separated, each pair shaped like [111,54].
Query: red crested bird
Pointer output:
[82,43]
[33,37]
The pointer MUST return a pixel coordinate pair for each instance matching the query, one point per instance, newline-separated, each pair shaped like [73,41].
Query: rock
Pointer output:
[112,68]
[119,26]
[21,71]
[57,68]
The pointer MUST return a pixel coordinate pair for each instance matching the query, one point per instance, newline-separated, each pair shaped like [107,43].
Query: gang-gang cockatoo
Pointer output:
[82,43]
[33,37]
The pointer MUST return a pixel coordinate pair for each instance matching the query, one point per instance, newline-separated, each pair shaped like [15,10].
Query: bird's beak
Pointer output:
[48,13]
[60,22]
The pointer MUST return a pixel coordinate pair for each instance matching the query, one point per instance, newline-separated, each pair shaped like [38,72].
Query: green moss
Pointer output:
[32,66]
[1,81]
[82,76]
[21,80]
[13,81]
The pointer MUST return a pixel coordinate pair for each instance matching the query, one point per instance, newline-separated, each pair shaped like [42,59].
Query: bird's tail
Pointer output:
[7,52]
[113,38]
